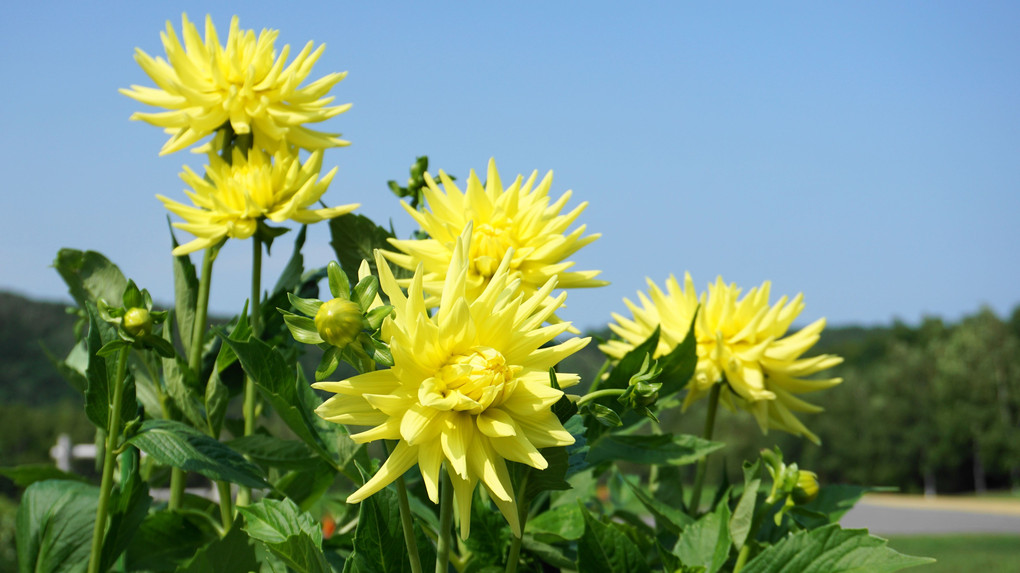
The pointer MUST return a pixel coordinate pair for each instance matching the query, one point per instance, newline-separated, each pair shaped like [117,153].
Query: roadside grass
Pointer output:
[987,553]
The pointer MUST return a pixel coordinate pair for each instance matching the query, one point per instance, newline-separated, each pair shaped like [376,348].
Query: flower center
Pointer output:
[489,245]
[470,382]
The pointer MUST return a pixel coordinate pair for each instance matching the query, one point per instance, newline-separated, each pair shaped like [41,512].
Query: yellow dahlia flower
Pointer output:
[741,343]
[518,220]
[205,85]
[469,388]
[231,199]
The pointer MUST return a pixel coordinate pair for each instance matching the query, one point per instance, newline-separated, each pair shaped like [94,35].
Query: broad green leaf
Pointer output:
[90,276]
[354,237]
[175,444]
[563,521]
[605,548]
[672,519]
[551,554]
[294,402]
[307,486]
[55,521]
[659,449]
[275,452]
[217,397]
[292,535]
[27,474]
[182,387]
[164,540]
[233,553]
[832,503]
[743,514]
[706,542]
[831,549]
[101,374]
[185,295]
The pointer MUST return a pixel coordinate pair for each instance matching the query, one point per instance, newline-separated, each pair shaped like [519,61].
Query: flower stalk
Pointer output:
[243,492]
[407,523]
[106,485]
[699,477]
[445,522]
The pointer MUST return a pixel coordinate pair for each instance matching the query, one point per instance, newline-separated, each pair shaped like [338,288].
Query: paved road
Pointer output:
[904,515]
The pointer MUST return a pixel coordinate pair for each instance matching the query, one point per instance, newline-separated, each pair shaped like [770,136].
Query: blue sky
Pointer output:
[864,153]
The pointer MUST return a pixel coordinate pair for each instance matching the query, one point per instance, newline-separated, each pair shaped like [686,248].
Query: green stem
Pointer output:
[598,376]
[522,518]
[106,485]
[745,552]
[599,394]
[445,523]
[177,476]
[699,478]
[244,493]
[226,511]
[408,524]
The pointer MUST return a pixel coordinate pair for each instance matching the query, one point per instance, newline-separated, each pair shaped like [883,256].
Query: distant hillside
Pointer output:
[29,328]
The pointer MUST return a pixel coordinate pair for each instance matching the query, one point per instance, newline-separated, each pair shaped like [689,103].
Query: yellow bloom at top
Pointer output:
[469,388]
[205,85]
[517,219]
[741,343]
[231,199]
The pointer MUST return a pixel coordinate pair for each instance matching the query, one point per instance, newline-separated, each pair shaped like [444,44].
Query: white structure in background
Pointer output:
[64,452]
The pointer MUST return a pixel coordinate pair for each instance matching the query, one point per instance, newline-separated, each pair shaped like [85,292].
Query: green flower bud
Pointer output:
[137,322]
[806,489]
[339,321]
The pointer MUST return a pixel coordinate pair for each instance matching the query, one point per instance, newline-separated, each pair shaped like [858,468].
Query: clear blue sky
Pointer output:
[864,153]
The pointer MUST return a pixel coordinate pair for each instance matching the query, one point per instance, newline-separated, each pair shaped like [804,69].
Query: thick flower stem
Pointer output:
[244,493]
[699,477]
[522,516]
[745,551]
[408,524]
[106,485]
[445,523]
[599,394]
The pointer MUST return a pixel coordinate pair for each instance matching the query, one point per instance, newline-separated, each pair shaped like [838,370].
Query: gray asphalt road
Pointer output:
[885,520]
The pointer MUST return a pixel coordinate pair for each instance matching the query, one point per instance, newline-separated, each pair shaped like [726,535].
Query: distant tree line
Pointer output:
[933,407]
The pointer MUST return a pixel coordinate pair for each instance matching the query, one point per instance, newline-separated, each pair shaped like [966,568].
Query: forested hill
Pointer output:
[934,406]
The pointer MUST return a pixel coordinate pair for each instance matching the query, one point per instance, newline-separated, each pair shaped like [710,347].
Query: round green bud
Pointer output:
[339,321]
[137,322]
[806,489]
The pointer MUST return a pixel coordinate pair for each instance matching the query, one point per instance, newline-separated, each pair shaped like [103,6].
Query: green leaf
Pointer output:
[354,239]
[182,387]
[293,401]
[112,347]
[605,547]
[164,540]
[631,362]
[740,523]
[659,449]
[365,291]
[301,328]
[490,537]
[604,415]
[379,538]
[90,276]
[678,366]
[291,534]
[128,506]
[217,397]
[830,549]
[706,542]
[564,521]
[832,503]
[232,554]
[329,363]
[175,444]
[551,554]
[291,273]
[306,486]
[101,374]
[339,284]
[275,452]
[309,306]
[375,317]
[669,518]
[55,522]
[185,295]
[27,474]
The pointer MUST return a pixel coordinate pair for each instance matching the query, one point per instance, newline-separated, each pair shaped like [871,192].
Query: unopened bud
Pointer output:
[339,321]
[137,322]
[806,489]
